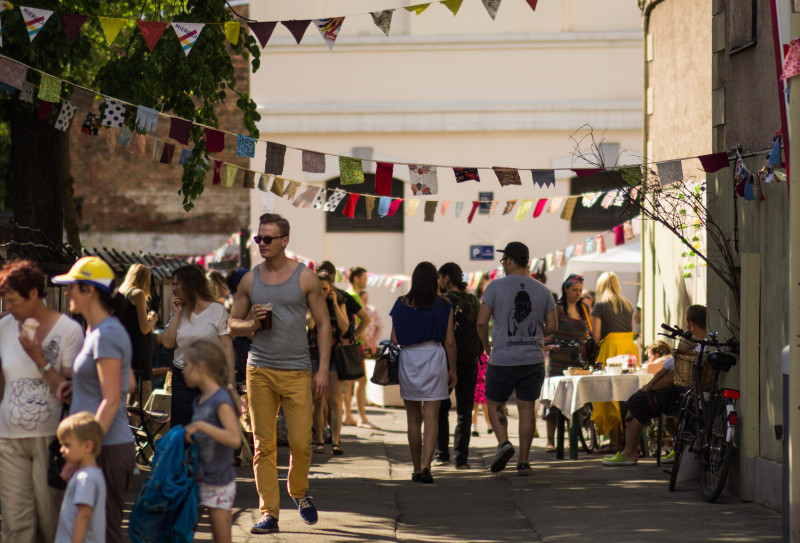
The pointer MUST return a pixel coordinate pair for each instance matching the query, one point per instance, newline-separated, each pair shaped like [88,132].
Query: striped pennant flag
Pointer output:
[187,34]
[35,19]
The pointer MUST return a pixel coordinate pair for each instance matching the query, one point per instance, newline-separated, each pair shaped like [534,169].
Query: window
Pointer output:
[336,222]
[595,218]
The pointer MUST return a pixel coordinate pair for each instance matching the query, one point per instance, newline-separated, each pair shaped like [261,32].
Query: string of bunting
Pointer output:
[188,33]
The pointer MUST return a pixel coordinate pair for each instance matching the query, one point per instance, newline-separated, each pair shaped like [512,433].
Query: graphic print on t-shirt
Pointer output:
[520,320]
[28,398]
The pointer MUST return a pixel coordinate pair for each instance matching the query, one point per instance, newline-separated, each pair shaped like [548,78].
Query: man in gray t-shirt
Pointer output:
[523,313]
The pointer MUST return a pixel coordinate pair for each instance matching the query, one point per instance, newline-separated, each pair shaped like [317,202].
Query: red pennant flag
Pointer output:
[217,166]
[383,179]
[72,24]
[151,32]
[475,205]
[215,140]
[297,28]
[263,31]
[586,172]
[350,206]
[539,207]
[532,4]
[714,162]
[394,206]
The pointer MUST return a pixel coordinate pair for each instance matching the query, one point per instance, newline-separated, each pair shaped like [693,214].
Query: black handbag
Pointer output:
[349,363]
[55,462]
[387,365]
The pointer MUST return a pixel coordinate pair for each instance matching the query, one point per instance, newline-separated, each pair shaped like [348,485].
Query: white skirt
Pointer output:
[423,372]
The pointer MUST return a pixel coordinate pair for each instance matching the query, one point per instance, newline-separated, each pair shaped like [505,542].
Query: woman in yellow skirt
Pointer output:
[612,326]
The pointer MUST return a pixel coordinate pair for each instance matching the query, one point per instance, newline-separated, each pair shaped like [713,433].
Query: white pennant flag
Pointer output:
[34,19]
[329,29]
[187,34]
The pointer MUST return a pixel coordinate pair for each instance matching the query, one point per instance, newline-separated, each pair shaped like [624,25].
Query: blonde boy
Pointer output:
[83,511]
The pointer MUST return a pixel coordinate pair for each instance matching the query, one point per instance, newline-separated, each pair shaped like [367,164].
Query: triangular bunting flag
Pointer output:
[383,19]
[329,29]
[423,179]
[111,27]
[72,24]
[232,31]
[491,7]
[187,34]
[418,8]
[35,19]
[297,28]
[263,31]
[453,5]
[151,32]
[532,4]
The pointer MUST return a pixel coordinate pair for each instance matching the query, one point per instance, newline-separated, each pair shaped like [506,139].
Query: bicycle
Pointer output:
[707,419]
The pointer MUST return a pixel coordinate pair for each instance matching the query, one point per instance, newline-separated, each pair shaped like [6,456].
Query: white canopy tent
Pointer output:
[624,260]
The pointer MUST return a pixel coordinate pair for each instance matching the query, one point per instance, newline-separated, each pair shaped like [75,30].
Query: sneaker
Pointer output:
[617,460]
[523,468]
[504,453]
[441,462]
[267,525]
[462,464]
[308,512]
[426,477]
[670,458]
[416,477]
[475,433]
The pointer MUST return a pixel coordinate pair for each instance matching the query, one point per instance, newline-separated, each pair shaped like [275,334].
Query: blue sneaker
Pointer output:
[267,525]
[308,511]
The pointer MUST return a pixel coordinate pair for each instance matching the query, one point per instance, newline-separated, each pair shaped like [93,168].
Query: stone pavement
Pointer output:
[367,495]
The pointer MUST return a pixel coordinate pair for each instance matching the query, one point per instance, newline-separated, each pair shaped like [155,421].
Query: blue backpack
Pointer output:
[166,506]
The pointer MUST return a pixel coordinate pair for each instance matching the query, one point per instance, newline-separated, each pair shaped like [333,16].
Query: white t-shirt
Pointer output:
[210,323]
[29,407]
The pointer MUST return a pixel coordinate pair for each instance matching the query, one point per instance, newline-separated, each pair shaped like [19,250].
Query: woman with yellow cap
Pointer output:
[101,376]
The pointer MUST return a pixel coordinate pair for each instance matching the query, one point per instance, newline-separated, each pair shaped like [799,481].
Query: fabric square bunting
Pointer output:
[383,179]
[49,89]
[44,109]
[569,208]
[523,210]
[158,146]
[555,204]
[65,116]
[714,162]
[350,207]
[394,206]
[383,19]
[230,175]
[540,205]
[166,153]
[263,183]
[215,141]
[383,206]
[466,174]
[277,187]
[319,199]
[82,98]
[186,154]
[350,171]
[12,73]
[26,95]
[334,200]
[249,179]
[306,198]
[291,190]
[543,177]
[507,176]
[459,209]
[670,171]
[232,29]
[147,119]
[608,199]
[90,124]
[423,179]
[276,154]
[444,206]
[179,130]
[430,210]
[411,208]
[138,145]
[217,168]
[475,205]
[245,146]
[369,205]
[124,137]
[313,162]
[114,113]
[509,206]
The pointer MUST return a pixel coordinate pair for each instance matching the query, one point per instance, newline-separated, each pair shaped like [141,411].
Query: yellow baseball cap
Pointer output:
[89,269]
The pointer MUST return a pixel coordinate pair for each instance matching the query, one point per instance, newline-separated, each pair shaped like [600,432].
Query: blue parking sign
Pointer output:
[481,252]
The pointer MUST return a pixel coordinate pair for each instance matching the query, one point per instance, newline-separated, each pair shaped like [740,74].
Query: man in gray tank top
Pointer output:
[271,302]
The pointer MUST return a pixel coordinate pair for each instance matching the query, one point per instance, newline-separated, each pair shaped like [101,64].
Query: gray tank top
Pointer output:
[284,346]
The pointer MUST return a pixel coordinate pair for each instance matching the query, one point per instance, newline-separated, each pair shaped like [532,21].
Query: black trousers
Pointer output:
[466,375]
[182,399]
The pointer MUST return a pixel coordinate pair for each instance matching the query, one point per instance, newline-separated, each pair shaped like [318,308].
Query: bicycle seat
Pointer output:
[721,361]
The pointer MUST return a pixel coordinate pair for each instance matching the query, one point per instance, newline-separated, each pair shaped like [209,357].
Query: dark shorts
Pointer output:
[315,365]
[526,381]
[644,406]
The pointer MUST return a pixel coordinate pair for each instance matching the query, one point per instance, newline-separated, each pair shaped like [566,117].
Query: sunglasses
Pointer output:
[266,239]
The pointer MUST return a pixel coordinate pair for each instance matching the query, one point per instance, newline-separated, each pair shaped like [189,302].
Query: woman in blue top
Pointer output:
[422,323]
[101,377]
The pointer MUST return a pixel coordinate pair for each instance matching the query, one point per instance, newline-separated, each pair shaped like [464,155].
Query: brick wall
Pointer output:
[120,192]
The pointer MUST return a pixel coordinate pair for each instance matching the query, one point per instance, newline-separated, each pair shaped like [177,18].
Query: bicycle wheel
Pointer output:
[682,436]
[716,461]
[587,434]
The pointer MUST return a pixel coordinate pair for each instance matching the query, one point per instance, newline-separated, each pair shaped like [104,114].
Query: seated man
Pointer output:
[651,400]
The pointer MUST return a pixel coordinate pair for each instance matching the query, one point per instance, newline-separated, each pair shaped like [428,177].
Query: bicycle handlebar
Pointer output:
[677,332]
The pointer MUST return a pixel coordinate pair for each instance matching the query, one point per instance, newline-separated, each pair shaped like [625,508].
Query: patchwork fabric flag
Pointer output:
[187,34]
[263,183]
[217,168]
[291,190]
[114,113]
[524,208]
[138,145]
[369,205]
[539,207]
[82,98]
[263,31]
[277,187]
[230,175]
[35,19]
[276,154]
[475,205]
[491,6]
[319,199]
[669,171]
[383,206]
[124,137]
[179,130]
[507,176]
[215,141]
[569,208]
[383,19]
[466,174]
[411,208]
[111,27]
[26,95]
[394,206]
[49,89]
[72,24]
[167,153]
[418,8]
[245,146]
[329,29]
[350,171]
[313,162]
[423,179]
[444,206]
[232,31]
[714,162]
[334,200]
[65,116]
[12,73]
[249,179]
[350,206]
[297,28]
[544,177]
[453,5]
[430,210]
[509,206]
[146,119]
[151,32]
[459,209]
[383,179]
[89,126]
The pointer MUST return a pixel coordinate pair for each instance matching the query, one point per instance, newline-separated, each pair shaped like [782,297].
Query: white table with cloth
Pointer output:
[570,393]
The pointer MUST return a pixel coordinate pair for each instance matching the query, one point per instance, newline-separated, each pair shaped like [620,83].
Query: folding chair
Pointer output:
[150,425]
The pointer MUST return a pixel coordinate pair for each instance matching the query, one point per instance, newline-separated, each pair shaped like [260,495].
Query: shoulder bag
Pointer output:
[387,365]
[55,462]
[349,362]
